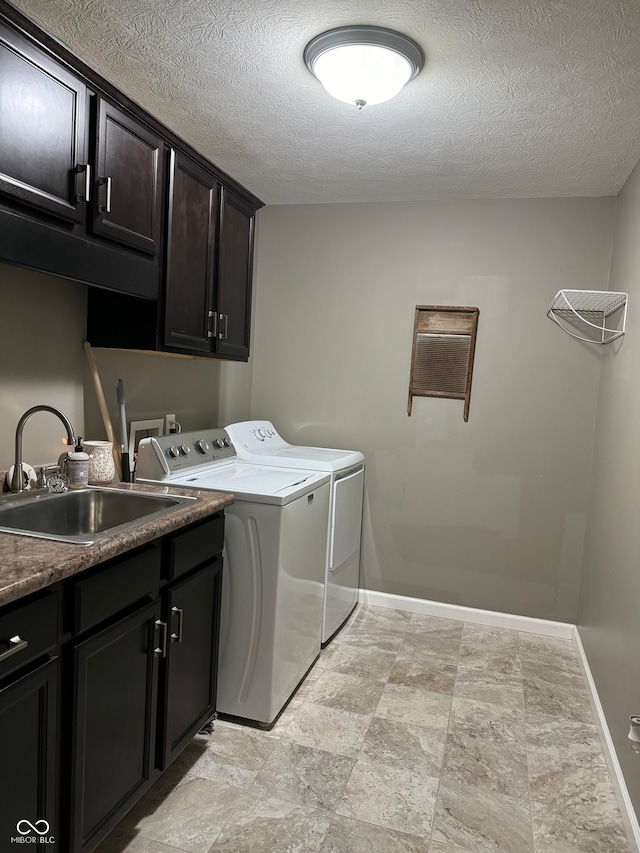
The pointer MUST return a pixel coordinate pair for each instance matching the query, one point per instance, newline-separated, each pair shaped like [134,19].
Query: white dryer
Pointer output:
[273,579]
[259,442]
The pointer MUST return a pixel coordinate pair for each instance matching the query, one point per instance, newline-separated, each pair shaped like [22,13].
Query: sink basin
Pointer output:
[82,516]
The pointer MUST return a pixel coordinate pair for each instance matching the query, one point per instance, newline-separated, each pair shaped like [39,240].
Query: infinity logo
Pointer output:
[33,827]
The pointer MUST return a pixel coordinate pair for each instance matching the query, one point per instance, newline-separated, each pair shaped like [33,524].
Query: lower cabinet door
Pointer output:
[192,658]
[114,725]
[28,767]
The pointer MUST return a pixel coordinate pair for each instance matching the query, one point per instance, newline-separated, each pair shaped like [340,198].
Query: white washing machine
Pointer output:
[273,579]
[260,443]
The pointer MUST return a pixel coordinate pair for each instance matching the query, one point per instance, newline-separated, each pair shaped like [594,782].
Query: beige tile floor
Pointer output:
[411,733]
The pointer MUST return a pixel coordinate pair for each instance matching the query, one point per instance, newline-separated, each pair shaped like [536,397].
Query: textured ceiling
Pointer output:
[517,98]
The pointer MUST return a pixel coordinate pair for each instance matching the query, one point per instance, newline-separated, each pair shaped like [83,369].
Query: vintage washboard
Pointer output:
[444,343]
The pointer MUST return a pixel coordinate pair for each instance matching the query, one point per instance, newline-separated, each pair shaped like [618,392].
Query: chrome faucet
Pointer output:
[17,482]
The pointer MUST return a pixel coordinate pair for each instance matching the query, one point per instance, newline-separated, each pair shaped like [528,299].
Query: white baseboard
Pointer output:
[562,630]
[615,771]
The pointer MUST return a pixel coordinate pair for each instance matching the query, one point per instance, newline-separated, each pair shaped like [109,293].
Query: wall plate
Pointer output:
[143,429]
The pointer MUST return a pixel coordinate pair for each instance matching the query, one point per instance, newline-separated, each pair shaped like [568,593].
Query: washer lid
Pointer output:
[253,482]
[259,441]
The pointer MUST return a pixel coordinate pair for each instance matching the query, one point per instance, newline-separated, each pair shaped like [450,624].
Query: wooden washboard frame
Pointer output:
[444,344]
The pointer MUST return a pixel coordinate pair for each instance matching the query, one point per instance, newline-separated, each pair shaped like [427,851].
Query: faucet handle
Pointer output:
[43,472]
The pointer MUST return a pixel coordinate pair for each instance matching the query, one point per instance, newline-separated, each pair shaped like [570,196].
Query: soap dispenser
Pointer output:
[75,466]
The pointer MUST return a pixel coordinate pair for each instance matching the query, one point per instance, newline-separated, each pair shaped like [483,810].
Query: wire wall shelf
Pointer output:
[594,316]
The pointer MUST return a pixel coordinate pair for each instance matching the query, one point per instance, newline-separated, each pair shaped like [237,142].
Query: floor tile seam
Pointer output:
[444,753]
[363,820]
[499,705]
[366,680]
[279,799]
[333,708]
[418,767]
[562,687]
[318,809]
[133,836]
[332,752]
[314,749]
[534,845]
[392,827]
[465,785]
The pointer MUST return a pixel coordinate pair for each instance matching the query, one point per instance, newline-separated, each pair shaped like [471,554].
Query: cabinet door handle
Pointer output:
[176,637]
[15,645]
[212,333]
[223,335]
[161,650]
[86,168]
[105,208]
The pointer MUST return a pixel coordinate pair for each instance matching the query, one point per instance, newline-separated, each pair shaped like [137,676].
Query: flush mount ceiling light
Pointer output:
[363,65]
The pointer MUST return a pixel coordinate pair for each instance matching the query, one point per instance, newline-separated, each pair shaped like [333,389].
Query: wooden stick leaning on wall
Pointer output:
[102,403]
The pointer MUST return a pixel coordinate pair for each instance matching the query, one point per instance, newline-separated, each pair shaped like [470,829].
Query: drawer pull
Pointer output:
[15,645]
[85,195]
[161,650]
[223,335]
[176,637]
[105,181]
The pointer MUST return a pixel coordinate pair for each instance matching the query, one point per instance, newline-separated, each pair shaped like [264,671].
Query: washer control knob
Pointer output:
[173,451]
[219,442]
[185,449]
[202,446]
[226,441]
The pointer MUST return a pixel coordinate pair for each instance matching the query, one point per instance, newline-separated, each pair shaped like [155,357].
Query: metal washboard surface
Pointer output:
[444,340]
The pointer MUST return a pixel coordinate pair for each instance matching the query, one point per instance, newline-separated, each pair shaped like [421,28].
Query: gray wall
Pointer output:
[41,360]
[489,513]
[155,385]
[609,614]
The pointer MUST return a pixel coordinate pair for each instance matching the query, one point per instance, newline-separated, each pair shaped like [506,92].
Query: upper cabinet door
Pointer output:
[234,276]
[189,319]
[42,130]
[128,189]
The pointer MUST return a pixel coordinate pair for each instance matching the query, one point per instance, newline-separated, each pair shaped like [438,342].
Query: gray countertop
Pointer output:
[28,564]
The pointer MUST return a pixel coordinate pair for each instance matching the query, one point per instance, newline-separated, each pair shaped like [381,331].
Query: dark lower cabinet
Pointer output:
[114,722]
[104,679]
[29,760]
[190,672]
[144,671]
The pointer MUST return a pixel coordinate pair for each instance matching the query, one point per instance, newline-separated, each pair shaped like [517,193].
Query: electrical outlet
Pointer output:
[170,424]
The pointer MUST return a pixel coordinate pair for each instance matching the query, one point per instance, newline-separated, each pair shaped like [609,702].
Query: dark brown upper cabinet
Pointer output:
[128,182]
[84,178]
[191,256]
[235,266]
[43,131]
[207,306]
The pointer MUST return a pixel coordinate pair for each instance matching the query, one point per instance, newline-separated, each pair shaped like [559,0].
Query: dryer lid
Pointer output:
[259,441]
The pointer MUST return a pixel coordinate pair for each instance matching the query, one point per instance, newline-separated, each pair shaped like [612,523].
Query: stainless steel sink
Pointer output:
[82,516]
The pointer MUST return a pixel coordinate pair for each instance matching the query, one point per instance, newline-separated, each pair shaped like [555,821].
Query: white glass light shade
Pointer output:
[363,65]
[357,73]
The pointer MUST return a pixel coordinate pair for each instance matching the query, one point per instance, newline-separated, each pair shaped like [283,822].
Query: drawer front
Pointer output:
[28,631]
[197,546]
[115,587]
